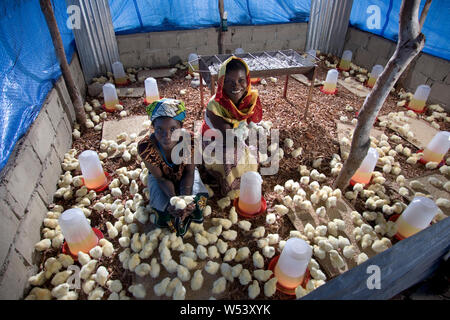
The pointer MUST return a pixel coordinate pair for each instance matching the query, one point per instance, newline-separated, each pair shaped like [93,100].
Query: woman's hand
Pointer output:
[181,213]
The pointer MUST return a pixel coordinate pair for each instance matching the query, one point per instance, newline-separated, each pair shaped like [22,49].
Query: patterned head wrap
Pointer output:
[167,108]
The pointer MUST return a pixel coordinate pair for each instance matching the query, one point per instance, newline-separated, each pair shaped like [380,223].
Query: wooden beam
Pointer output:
[220,39]
[402,266]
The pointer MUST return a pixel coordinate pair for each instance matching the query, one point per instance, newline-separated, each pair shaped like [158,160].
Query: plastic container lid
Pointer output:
[109,92]
[376,71]
[347,55]
[440,142]
[90,165]
[151,87]
[369,161]
[74,225]
[420,212]
[332,76]
[422,92]
[239,51]
[250,188]
[193,59]
[295,257]
[118,70]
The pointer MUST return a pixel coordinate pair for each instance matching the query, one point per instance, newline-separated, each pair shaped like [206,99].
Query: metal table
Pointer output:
[261,64]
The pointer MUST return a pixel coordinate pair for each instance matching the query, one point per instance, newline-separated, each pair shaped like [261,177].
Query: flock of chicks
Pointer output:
[146,254]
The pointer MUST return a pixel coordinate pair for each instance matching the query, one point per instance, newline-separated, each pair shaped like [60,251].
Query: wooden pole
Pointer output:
[220,39]
[311,86]
[286,86]
[410,43]
[74,93]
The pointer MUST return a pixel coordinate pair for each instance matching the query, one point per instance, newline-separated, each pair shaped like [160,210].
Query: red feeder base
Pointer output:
[124,84]
[394,218]
[110,111]
[282,288]
[102,187]
[425,162]
[66,250]
[147,103]
[335,91]
[248,215]
[352,182]
[419,112]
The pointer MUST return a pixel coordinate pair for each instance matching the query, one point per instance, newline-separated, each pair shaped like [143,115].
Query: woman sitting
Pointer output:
[233,104]
[167,179]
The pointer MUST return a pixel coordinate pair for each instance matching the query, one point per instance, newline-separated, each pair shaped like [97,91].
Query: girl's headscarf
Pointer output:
[249,108]
[167,108]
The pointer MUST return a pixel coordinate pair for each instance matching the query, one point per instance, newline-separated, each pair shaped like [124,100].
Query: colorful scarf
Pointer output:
[167,108]
[249,108]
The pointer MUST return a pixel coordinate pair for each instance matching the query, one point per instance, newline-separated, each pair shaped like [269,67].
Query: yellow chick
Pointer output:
[197,280]
[254,290]
[219,285]
[242,254]
[259,232]
[212,267]
[229,235]
[258,260]
[262,275]
[39,294]
[244,225]
[160,288]
[270,287]
[180,292]
[230,254]
[336,259]
[61,277]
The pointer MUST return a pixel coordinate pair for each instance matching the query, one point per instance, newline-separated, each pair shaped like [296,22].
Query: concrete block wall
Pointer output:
[369,49]
[27,184]
[160,49]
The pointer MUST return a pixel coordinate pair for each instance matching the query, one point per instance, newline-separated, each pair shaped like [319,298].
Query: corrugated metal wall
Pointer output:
[328,25]
[95,39]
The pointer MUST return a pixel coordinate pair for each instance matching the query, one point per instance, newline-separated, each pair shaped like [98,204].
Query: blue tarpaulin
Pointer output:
[29,67]
[365,15]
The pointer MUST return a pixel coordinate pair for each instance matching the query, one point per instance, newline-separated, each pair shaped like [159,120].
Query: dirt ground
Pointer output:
[316,134]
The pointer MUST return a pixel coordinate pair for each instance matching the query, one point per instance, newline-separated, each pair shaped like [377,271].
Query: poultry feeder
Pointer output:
[344,65]
[416,217]
[374,74]
[78,234]
[417,103]
[193,63]
[290,267]
[250,202]
[111,98]
[94,178]
[436,148]
[311,55]
[151,90]
[120,77]
[329,86]
[364,173]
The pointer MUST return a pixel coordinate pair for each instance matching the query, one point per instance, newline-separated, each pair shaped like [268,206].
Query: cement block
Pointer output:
[276,45]
[254,46]
[211,36]
[416,78]
[180,54]
[297,44]
[440,92]
[23,174]
[41,135]
[289,31]
[64,98]
[52,108]
[63,139]
[8,225]
[378,46]
[49,177]
[241,35]
[441,69]
[29,231]
[192,38]
[160,40]
[364,58]
[359,38]
[264,33]
[133,42]
[154,58]
[130,59]
[425,64]
[228,34]
[15,279]
[209,49]
[16,207]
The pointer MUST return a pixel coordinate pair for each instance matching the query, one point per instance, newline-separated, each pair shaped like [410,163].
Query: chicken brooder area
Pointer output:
[229,256]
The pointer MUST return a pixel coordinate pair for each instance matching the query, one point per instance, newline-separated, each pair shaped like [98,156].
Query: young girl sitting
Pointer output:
[167,179]
[234,103]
